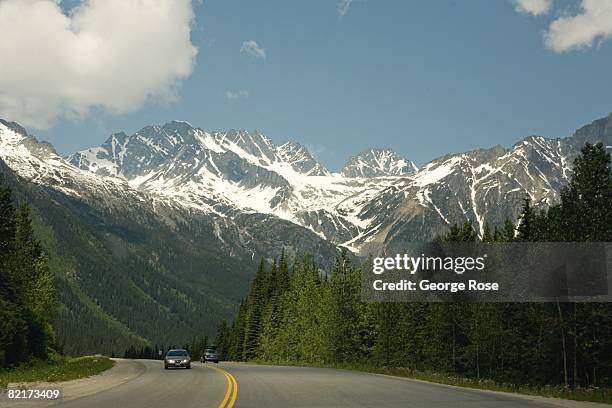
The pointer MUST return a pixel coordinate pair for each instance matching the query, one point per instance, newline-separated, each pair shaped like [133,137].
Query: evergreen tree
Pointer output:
[389,341]
[8,225]
[223,340]
[254,308]
[526,226]
[486,234]
[465,233]
[344,320]
[320,319]
[273,311]
[26,287]
[586,204]
[508,231]
[8,228]
[236,350]
[282,282]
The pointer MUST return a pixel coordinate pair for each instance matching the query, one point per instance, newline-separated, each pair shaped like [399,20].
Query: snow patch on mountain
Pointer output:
[378,163]
[377,197]
[220,172]
[37,162]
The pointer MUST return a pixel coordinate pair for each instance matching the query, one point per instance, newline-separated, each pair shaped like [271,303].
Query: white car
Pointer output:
[177,358]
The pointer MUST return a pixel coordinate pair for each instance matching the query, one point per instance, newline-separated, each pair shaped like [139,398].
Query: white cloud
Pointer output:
[593,23]
[110,54]
[252,49]
[239,94]
[343,7]
[533,7]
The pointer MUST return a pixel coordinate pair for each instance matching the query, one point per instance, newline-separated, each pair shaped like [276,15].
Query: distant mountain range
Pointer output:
[378,196]
[221,174]
[195,210]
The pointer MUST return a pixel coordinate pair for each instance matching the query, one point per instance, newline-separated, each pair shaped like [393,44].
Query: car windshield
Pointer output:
[177,353]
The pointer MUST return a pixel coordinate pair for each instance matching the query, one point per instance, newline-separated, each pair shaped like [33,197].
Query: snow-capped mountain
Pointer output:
[378,163]
[377,197]
[141,175]
[223,172]
[39,163]
[485,185]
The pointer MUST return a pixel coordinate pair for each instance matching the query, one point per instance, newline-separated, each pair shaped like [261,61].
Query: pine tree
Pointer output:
[255,304]
[236,350]
[8,229]
[8,225]
[508,232]
[388,338]
[454,235]
[525,229]
[273,311]
[10,321]
[27,253]
[344,320]
[586,203]
[486,234]
[26,287]
[468,233]
[223,340]
[322,320]
[465,233]
[282,276]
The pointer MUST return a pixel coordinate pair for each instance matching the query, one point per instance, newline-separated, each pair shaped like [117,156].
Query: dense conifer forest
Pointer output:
[27,294]
[299,314]
[121,283]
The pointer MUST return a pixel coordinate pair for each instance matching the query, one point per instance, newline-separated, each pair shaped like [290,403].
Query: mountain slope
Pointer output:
[133,269]
[485,185]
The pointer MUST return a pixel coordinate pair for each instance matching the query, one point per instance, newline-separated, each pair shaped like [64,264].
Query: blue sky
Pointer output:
[423,78]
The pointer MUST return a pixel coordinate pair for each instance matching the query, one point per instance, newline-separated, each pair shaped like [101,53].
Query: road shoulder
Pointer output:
[550,401]
[122,372]
[553,402]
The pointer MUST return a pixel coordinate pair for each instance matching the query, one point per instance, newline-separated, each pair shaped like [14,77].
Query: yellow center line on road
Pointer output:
[235,393]
[232,389]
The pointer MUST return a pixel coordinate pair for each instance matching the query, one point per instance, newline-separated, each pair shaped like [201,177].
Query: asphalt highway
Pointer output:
[245,385]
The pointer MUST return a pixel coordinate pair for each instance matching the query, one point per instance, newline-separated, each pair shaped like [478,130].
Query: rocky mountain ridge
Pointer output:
[378,196]
[374,197]
[171,220]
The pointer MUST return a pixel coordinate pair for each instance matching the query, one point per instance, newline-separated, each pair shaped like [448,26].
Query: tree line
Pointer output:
[27,295]
[299,314]
[195,348]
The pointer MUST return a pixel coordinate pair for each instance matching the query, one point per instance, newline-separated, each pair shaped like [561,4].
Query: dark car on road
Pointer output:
[210,354]
[177,358]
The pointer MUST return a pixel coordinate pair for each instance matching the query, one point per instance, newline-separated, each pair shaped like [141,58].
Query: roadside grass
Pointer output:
[57,368]
[594,394]
[602,395]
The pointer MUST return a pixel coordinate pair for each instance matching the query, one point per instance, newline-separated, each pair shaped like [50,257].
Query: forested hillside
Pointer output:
[298,315]
[27,295]
[115,288]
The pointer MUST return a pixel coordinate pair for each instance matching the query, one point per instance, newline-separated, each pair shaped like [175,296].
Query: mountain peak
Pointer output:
[378,163]
[599,130]
[178,126]
[300,159]
[15,127]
